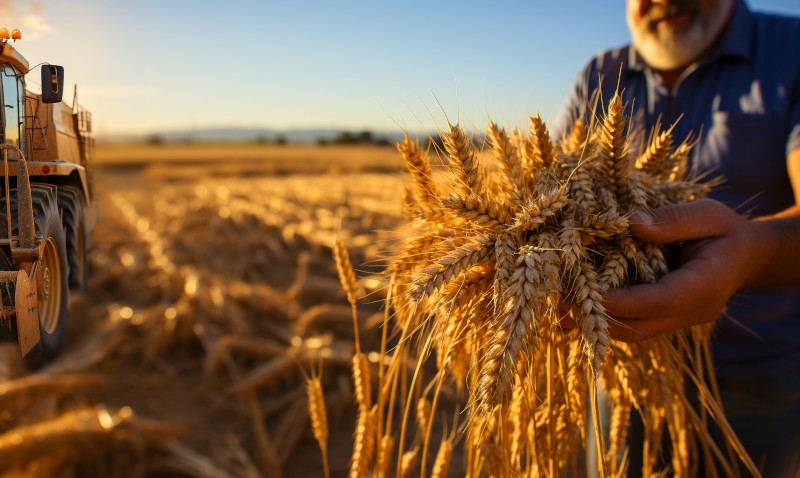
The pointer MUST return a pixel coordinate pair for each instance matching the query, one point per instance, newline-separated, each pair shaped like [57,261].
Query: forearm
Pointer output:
[778,250]
[778,239]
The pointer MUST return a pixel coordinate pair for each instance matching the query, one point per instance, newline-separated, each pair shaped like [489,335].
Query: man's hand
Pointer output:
[719,255]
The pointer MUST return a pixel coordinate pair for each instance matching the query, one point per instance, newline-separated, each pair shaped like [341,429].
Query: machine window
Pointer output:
[11,124]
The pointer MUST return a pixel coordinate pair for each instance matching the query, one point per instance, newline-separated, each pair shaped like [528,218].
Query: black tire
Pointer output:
[74,219]
[53,297]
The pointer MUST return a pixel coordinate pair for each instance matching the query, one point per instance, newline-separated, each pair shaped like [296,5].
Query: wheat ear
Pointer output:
[318,415]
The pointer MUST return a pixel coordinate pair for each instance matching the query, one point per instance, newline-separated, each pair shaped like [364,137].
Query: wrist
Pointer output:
[775,251]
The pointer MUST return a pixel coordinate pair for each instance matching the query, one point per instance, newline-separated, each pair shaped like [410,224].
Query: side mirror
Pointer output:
[52,83]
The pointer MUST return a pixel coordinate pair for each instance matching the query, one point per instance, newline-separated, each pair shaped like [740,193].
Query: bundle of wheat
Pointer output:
[499,253]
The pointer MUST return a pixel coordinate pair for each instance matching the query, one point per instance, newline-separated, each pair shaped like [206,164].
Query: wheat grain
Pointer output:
[614,145]
[419,167]
[653,158]
[423,413]
[345,268]
[408,462]
[618,429]
[576,141]
[508,161]
[319,418]
[613,270]
[442,462]
[316,408]
[362,381]
[542,154]
[384,457]
[477,211]
[677,162]
[581,186]
[450,265]
[363,444]
[463,161]
[576,385]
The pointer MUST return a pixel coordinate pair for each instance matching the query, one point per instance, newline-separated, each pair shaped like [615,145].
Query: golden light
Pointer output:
[191,284]
[127,259]
[105,419]
[4,34]
[16,34]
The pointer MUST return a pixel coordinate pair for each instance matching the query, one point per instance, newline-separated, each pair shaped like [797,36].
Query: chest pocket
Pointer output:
[748,151]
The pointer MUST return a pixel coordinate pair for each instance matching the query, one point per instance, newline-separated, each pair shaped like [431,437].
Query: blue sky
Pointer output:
[153,65]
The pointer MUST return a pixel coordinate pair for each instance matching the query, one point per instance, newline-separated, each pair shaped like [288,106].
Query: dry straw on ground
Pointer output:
[498,252]
[208,299]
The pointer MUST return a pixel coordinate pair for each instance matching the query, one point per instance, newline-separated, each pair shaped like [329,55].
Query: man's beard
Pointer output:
[666,48]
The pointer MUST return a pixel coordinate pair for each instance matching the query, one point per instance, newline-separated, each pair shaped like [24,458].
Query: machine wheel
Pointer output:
[74,219]
[51,280]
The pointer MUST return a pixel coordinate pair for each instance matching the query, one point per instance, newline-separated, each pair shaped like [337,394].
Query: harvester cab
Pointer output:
[46,204]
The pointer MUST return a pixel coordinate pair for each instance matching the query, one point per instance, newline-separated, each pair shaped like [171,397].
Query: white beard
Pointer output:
[670,47]
[675,50]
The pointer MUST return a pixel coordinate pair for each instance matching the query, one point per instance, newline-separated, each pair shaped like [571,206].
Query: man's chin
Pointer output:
[667,57]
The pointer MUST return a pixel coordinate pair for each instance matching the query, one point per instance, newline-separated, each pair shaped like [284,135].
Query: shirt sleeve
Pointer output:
[793,142]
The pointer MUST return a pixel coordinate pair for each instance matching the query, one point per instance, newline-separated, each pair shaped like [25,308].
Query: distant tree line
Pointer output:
[431,142]
[348,138]
[365,137]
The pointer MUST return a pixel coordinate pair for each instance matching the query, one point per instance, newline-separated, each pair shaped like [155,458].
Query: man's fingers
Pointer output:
[647,310]
[681,222]
[644,300]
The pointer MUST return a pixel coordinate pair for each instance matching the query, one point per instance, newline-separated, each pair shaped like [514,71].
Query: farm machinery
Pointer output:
[46,206]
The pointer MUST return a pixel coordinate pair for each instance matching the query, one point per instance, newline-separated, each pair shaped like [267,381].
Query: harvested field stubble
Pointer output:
[208,301]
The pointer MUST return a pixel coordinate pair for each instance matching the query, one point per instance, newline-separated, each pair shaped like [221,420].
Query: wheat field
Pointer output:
[212,293]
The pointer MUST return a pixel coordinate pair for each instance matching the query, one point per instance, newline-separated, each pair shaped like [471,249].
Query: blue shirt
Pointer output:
[743,99]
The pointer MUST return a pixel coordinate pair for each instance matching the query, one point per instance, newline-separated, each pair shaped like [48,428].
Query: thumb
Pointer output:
[681,222]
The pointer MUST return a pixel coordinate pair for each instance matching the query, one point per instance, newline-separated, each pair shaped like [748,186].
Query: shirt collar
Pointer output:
[734,42]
